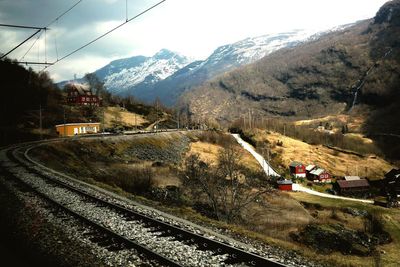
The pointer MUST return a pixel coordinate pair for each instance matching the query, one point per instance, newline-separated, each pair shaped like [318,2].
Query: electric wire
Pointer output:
[23,57]
[104,34]
[55,20]
[27,39]
[55,42]
[21,26]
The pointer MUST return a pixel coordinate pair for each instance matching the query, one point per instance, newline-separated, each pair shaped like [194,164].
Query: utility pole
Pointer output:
[65,129]
[40,121]
[249,119]
[103,120]
[178,118]
[136,122]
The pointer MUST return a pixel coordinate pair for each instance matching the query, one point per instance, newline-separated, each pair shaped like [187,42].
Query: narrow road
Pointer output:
[296,187]
[300,188]
[264,164]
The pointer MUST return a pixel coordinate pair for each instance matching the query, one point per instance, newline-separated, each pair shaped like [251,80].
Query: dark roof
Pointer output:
[393,173]
[353,183]
[295,164]
[284,181]
[83,89]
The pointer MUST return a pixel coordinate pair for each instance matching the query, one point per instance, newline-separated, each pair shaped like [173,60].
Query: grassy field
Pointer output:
[118,116]
[336,162]
[209,153]
[353,122]
[113,162]
[387,254]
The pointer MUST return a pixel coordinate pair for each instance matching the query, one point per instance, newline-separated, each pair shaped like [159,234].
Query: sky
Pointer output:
[194,28]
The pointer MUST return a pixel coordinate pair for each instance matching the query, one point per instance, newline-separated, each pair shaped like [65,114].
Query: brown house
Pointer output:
[80,94]
[352,186]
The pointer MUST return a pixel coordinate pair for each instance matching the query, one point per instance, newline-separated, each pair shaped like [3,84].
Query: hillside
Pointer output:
[224,58]
[31,105]
[24,94]
[358,66]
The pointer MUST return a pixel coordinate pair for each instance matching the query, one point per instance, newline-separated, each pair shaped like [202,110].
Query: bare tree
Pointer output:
[227,188]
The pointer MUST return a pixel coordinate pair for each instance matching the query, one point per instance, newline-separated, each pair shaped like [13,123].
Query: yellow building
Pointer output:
[72,129]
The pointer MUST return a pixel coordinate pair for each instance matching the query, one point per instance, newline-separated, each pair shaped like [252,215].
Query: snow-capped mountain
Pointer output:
[223,59]
[252,49]
[167,75]
[123,74]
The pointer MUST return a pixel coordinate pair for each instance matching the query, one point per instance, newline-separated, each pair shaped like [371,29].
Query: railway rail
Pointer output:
[118,226]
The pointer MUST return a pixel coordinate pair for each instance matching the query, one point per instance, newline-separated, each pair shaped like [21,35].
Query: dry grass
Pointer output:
[209,153]
[388,253]
[353,122]
[337,163]
[120,116]
[276,216]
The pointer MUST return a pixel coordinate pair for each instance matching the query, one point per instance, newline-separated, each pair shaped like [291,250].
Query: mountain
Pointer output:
[122,76]
[166,75]
[356,66]
[223,59]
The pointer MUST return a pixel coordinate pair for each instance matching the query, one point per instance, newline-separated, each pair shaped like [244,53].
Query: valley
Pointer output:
[279,145]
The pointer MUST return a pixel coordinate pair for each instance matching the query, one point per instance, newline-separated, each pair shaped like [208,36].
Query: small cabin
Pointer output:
[73,129]
[320,175]
[285,185]
[80,94]
[297,169]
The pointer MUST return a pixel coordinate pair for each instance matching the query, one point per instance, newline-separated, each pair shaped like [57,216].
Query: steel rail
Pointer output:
[114,235]
[236,255]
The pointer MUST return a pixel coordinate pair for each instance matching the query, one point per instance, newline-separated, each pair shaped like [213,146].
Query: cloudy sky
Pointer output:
[193,28]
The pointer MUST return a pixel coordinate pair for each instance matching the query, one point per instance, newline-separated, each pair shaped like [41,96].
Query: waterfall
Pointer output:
[362,81]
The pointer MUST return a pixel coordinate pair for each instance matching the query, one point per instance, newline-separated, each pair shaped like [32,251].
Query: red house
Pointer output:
[80,94]
[285,185]
[320,175]
[297,169]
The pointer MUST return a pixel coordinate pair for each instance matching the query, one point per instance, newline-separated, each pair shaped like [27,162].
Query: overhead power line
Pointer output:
[22,26]
[38,28]
[69,9]
[108,32]
[20,44]
[34,63]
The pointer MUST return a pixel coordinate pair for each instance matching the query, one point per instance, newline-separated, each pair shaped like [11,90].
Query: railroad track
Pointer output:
[119,226]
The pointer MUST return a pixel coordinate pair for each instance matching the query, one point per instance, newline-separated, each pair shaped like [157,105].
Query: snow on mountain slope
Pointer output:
[251,49]
[223,59]
[124,74]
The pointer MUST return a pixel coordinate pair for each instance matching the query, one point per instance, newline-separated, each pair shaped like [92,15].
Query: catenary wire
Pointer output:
[56,19]
[104,34]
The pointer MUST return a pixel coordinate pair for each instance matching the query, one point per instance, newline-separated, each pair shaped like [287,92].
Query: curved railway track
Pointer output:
[118,226]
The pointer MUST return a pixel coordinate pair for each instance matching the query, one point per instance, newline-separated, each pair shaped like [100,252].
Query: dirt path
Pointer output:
[296,187]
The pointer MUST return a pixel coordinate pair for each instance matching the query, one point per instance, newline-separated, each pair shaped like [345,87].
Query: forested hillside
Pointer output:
[24,93]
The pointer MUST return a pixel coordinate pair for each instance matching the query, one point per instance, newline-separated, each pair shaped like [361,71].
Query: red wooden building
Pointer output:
[297,169]
[285,185]
[80,94]
[320,175]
